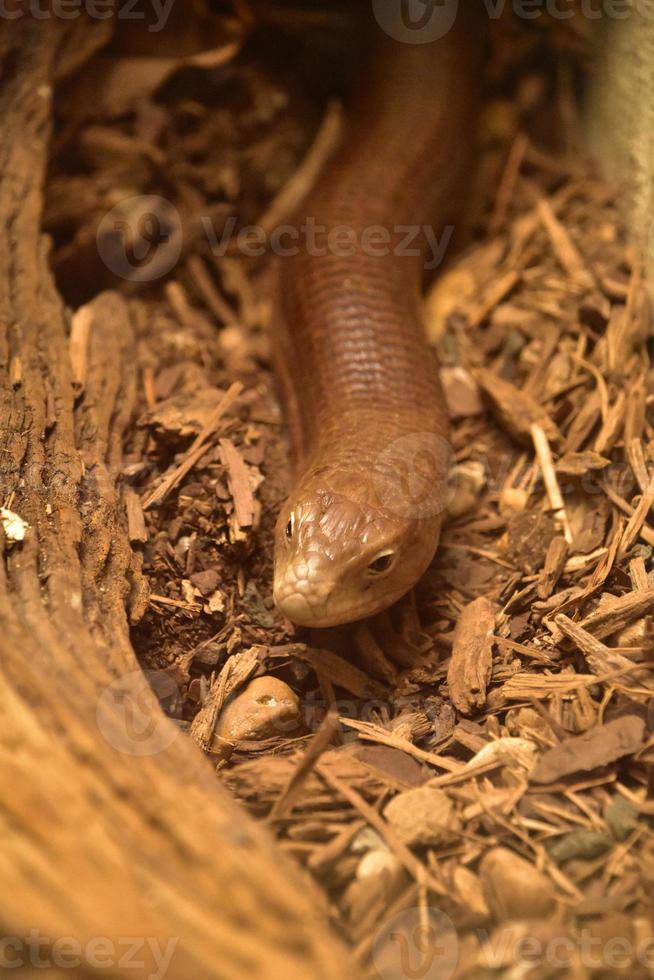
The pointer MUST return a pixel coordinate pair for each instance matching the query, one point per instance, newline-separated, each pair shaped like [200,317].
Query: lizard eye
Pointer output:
[290,527]
[382,562]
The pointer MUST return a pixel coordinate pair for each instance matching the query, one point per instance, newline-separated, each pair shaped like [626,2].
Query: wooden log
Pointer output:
[119,846]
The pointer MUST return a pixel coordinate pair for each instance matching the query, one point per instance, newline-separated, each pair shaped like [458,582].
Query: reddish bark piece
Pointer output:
[597,747]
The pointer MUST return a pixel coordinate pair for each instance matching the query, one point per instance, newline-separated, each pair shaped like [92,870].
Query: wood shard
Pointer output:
[578,464]
[606,621]
[238,479]
[516,410]
[472,656]
[612,425]
[638,573]
[637,519]
[499,289]
[555,559]
[78,344]
[600,658]
[564,249]
[15,371]
[338,670]
[136,528]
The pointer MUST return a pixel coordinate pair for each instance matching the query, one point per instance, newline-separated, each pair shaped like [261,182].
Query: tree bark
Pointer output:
[110,833]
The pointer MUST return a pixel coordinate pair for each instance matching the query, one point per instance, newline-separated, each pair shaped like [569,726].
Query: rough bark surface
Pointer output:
[619,117]
[97,839]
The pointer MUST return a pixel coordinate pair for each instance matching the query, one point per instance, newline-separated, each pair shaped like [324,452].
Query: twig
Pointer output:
[383,828]
[544,454]
[637,519]
[507,183]
[562,245]
[196,449]
[646,533]
[293,192]
[315,749]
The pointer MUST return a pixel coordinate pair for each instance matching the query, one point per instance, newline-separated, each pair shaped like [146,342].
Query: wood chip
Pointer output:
[638,573]
[214,301]
[374,733]
[78,343]
[600,658]
[238,479]
[644,532]
[336,669]
[555,559]
[612,425]
[604,622]
[136,529]
[472,656]
[498,290]
[637,519]
[516,410]
[577,464]
[566,252]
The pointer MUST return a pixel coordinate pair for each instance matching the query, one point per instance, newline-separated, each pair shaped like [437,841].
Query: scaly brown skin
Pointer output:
[365,404]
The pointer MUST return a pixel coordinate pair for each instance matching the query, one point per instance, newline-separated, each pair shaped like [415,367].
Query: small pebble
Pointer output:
[513,887]
[424,815]
[266,708]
